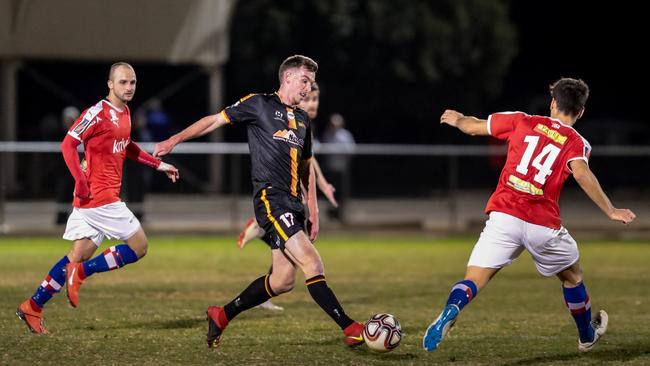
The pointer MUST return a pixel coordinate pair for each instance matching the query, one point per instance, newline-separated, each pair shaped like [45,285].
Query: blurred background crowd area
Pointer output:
[389,68]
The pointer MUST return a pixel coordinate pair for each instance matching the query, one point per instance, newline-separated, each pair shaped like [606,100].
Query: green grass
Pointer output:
[152,312]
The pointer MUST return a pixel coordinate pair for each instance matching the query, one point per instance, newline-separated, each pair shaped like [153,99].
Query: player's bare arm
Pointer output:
[469,125]
[322,183]
[589,183]
[308,179]
[199,128]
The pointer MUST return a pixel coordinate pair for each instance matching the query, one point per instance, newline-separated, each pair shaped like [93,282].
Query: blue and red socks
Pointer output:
[112,258]
[52,283]
[577,301]
[462,293]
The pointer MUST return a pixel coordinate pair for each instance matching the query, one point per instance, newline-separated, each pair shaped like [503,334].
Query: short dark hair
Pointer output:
[297,61]
[115,66]
[570,95]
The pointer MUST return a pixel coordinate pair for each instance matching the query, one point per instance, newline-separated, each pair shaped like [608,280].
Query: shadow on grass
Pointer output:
[190,322]
[390,356]
[361,351]
[619,354]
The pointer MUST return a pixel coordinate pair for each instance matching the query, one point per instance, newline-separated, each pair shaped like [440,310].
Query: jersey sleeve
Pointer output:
[578,149]
[501,125]
[86,125]
[245,110]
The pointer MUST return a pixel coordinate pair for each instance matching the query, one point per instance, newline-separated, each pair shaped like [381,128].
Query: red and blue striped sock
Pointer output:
[112,258]
[462,293]
[52,283]
[577,301]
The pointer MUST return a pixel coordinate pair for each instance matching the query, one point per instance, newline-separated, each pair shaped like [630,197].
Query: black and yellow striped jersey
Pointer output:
[279,137]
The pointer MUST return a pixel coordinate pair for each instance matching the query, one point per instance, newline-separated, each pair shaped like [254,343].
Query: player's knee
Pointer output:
[140,249]
[282,284]
[80,254]
[77,257]
[572,281]
[571,277]
[314,268]
[143,250]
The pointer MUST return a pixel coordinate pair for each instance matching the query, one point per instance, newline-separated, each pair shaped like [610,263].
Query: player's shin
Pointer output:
[52,283]
[256,293]
[325,298]
[577,301]
[112,258]
[462,293]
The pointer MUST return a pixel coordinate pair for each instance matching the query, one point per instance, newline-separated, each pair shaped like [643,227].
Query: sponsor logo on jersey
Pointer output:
[120,145]
[81,127]
[290,115]
[278,116]
[90,118]
[552,134]
[288,136]
[523,186]
[114,118]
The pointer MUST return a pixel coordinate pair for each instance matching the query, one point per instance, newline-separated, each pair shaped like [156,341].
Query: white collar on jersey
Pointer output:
[112,106]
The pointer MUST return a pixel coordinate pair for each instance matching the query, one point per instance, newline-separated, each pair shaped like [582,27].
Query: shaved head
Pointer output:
[117,65]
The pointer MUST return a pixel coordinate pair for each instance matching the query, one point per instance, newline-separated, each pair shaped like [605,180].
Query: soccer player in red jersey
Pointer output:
[280,142]
[105,131]
[524,212]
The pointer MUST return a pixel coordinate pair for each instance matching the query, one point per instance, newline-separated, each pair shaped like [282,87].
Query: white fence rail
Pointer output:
[226,148]
[452,154]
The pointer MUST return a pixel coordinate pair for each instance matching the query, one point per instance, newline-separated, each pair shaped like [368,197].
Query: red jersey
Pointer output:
[105,131]
[539,151]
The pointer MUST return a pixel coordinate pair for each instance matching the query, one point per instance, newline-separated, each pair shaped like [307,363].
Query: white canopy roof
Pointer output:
[174,31]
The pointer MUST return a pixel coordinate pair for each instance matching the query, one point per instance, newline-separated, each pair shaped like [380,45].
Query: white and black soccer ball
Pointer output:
[382,332]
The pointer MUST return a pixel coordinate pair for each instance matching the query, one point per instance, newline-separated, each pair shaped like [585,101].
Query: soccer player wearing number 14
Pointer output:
[524,212]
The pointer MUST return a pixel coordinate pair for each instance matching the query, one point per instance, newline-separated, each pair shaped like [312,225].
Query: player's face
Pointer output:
[299,84]
[310,104]
[122,84]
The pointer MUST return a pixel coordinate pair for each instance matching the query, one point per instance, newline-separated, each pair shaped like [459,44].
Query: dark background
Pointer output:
[391,68]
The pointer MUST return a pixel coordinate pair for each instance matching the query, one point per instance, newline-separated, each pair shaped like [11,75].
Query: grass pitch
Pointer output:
[153,312]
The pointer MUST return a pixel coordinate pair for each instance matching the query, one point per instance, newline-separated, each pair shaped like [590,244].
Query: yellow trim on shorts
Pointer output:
[273,220]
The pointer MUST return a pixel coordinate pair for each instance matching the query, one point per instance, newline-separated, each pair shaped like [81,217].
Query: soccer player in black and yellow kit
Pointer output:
[279,138]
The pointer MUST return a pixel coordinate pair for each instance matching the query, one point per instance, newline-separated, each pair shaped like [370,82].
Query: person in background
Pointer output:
[338,166]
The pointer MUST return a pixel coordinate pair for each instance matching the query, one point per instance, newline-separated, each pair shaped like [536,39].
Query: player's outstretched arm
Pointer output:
[135,153]
[469,125]
[322,183]
[589,183]
[71,157]
[199,128]
[308,179]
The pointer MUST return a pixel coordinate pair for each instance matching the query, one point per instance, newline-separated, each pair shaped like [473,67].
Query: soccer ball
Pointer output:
[382,332]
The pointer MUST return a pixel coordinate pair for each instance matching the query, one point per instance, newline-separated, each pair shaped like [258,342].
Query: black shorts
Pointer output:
[279,214]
